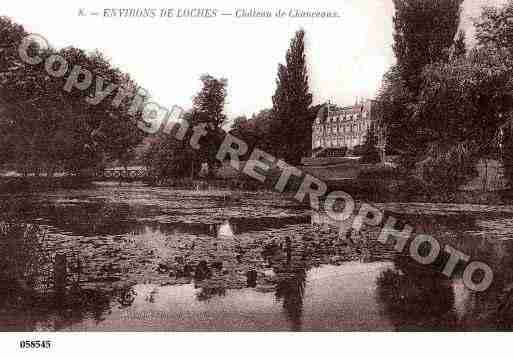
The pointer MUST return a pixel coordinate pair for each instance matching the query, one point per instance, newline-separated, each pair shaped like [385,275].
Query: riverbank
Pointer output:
[414,191]
[203,184]
[387,187]
[39,184]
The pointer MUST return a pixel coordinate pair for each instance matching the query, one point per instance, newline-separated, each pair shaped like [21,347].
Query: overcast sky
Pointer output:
[346,56]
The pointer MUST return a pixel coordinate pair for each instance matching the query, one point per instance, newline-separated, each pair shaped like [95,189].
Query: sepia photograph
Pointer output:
[328,167]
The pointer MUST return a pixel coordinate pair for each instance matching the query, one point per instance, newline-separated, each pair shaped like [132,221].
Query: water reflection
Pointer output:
[97,213]
[54,300]
[225,230]
[419,297]
[49,312]
[290,289]
[415,297]
[290,269]
[208,293]
[247,264]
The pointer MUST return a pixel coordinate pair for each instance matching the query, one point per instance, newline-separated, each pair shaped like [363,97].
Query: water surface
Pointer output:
[123,244]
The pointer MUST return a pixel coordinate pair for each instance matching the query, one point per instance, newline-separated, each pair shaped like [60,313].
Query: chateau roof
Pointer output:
[338,109]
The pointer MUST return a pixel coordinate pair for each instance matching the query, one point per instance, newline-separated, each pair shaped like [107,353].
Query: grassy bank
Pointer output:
[38,184]
[384,185]
[374,183]
[240,184]
[413,190]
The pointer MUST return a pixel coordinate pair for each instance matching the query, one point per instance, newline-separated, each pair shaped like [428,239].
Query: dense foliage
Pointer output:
[172,157]
[369,151]
[424,31]
[255,131]
[448,166]
[46,128]
[291,128]
[495,26]
[442,103]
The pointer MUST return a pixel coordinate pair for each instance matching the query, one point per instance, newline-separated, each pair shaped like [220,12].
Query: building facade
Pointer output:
[337,127]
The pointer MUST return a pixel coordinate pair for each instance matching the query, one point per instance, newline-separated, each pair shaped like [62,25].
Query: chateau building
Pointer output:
[337,127]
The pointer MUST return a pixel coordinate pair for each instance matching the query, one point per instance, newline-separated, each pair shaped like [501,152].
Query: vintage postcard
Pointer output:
[277,167]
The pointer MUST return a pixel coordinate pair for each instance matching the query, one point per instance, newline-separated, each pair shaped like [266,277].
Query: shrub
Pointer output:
[22,258]
[370,155]
[358,150]
[447,167]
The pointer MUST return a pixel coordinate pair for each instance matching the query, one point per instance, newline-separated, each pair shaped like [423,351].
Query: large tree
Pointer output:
[393,104]
[208,110]
[53,128]
[462,105]
[168,157]
[292,119]
[467,98]
[254,131]
[424,32]
[210,100]
[494,32]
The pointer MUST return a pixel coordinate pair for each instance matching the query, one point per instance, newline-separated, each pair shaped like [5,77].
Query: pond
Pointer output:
[140,258]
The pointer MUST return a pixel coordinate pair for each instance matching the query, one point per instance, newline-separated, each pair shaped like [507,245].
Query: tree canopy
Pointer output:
[47,126]
[292,117]
[424,32]
[495,26]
